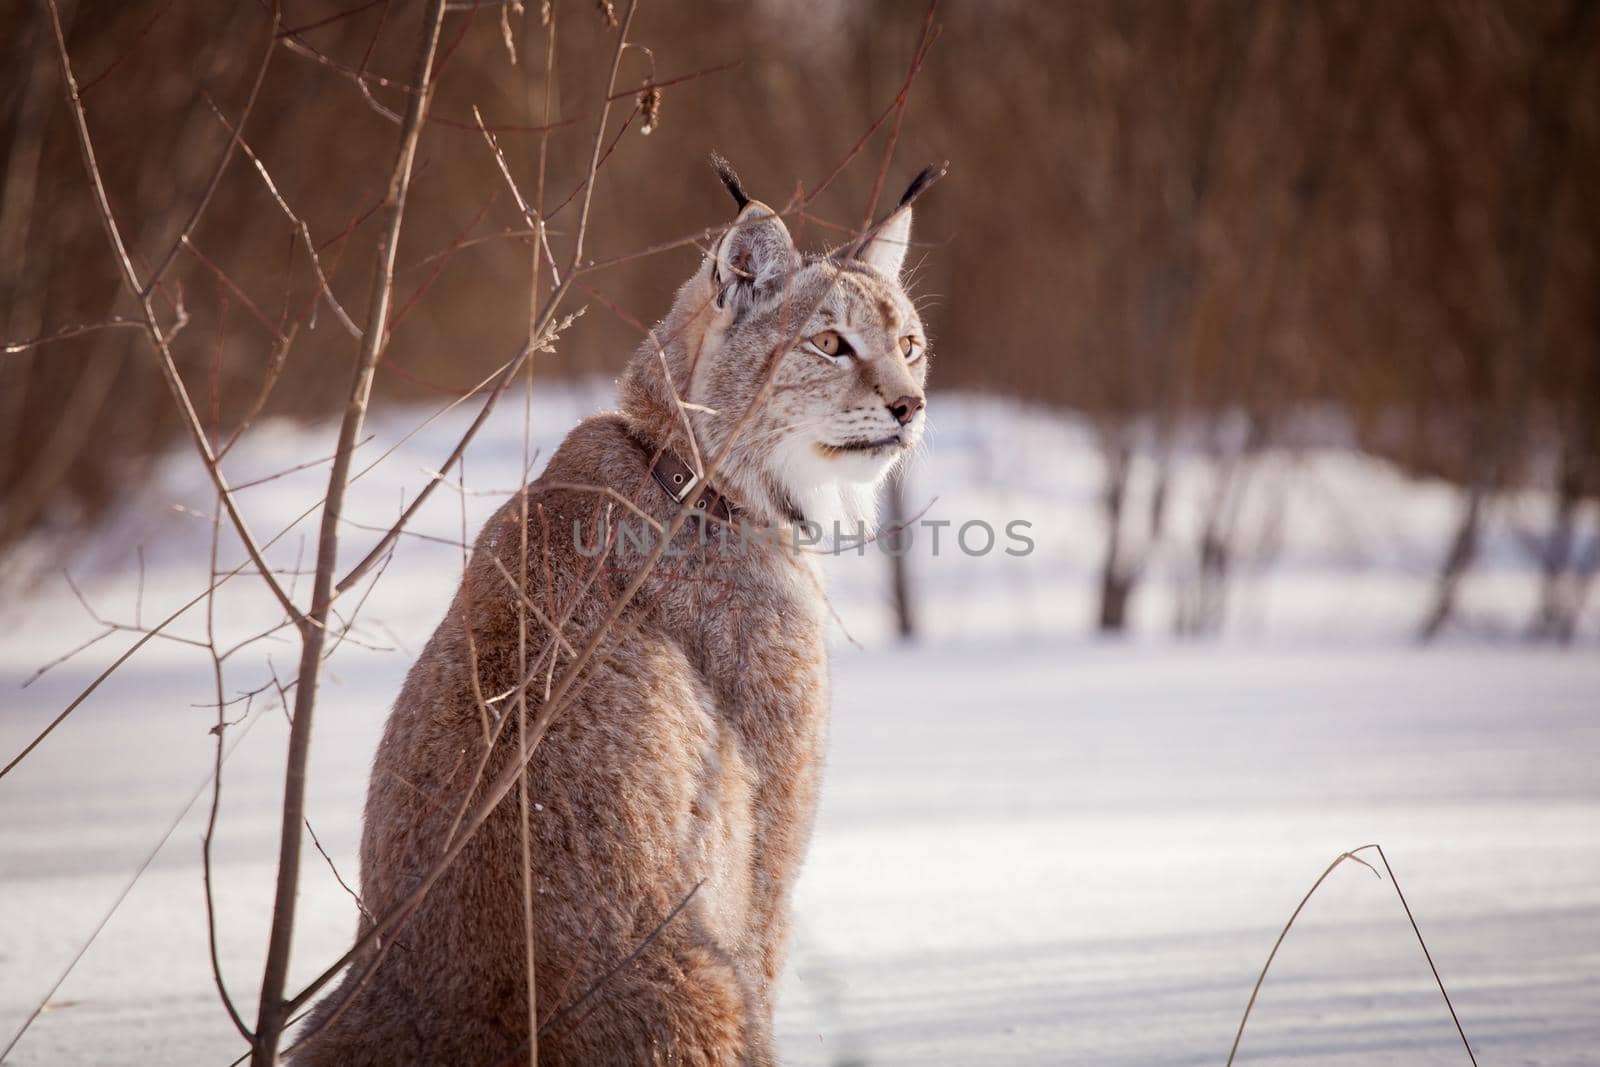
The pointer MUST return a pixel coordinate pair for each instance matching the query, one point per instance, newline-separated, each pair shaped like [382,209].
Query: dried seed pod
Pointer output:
[650,108]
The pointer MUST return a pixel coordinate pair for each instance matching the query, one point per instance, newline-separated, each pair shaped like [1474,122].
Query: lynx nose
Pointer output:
[905,409]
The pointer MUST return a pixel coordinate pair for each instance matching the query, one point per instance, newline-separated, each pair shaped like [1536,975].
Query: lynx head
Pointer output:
[846,399]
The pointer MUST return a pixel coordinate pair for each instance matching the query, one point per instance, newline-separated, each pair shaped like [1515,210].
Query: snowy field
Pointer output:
[1033,847]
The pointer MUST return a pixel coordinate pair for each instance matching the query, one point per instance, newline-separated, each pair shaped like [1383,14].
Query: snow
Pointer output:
[1032,848]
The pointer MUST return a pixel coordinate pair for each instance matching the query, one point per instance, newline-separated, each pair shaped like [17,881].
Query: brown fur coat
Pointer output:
[692,753]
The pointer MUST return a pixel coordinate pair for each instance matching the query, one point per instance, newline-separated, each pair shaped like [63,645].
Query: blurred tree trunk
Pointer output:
[1463,550]
[1203,608]
[1120,567]
[1561,579]
[1565,570]
[899,543]
[1116,579]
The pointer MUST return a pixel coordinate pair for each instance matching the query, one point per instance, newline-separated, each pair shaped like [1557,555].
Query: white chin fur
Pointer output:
[841,489]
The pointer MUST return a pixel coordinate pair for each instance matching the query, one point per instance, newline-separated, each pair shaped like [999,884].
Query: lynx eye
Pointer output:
[829,343]
[910,347]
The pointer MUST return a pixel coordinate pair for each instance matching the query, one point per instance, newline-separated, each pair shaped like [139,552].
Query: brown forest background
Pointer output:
[1191,222]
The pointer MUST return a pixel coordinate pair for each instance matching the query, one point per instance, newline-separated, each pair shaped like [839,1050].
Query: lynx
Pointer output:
[687,768]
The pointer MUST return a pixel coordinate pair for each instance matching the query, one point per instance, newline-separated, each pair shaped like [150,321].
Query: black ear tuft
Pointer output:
[730,179]
[926,177]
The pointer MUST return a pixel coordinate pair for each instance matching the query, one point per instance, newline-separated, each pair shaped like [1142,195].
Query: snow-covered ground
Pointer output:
[1033,848]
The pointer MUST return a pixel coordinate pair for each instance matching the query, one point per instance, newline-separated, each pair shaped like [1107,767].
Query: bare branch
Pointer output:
[222,161]
[157,338]
[67,332]
[558,1017]
[297,222]
[930,33]
[273,1011]
[542,338]
[599,138]
[220,730]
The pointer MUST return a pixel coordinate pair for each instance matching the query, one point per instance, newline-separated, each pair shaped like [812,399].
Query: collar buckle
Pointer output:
[679,481]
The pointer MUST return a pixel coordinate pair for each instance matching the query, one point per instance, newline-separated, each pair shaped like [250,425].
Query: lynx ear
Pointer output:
[885,248]
[886,245]
[756,250]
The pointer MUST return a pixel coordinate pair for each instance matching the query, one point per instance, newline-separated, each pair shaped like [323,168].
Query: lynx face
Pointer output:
[847,400]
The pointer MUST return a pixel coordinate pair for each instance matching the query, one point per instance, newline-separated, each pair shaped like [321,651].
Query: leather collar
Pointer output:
[679,481]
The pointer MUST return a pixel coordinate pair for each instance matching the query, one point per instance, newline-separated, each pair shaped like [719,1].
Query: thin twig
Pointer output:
[145,638]
[1337,860]
[66,332]
[1427,955]
[534,219]
[529,606]
[542,241]
[599,983]
[223,160]
[316,841]
[265,478]
[930,33]
[274,1010]
[220,730]
[599,139]
[294,220]
[502,379]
